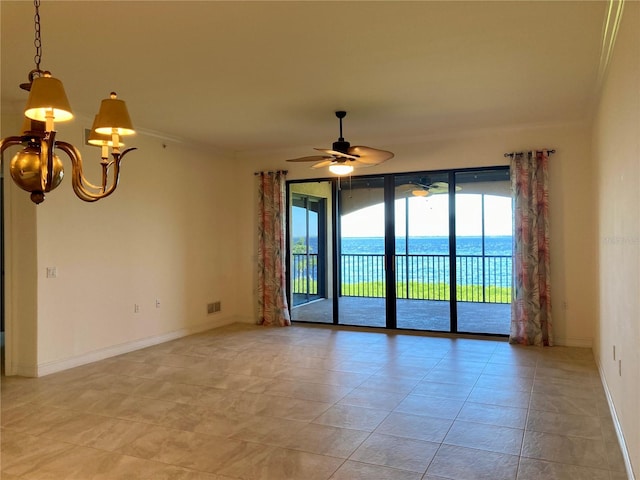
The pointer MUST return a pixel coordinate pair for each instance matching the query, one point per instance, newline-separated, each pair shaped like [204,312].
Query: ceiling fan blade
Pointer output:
[371,156]
[313,158]
[324,163]
[358,164]
[441,187]
[335,153]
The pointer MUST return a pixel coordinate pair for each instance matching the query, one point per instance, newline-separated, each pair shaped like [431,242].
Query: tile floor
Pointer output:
[315,402]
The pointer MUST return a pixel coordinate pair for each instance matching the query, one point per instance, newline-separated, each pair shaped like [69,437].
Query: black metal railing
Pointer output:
[484,278]
[305,273]
[479,278]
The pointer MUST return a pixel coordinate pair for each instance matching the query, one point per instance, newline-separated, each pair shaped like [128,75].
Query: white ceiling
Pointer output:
[247,76]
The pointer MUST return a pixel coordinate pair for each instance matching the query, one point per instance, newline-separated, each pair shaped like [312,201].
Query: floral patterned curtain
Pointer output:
[272,293]
[531,301]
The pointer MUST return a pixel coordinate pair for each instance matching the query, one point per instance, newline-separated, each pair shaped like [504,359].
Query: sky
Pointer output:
[428,216]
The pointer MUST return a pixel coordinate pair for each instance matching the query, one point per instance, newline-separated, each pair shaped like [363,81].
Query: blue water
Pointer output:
[421,245]
[428,245]
[428,261]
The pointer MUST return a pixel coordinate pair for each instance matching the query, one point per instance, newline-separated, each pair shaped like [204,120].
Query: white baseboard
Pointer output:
[616,424]
[26,370]
[243,319]
[112,351]
[573,342]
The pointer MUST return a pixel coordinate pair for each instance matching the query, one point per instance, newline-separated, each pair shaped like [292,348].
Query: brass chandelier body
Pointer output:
[36,168]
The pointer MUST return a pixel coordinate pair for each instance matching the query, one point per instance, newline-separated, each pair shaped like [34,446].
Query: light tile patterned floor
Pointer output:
[315,402]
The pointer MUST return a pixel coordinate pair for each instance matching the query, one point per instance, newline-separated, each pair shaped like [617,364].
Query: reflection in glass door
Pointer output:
[484,249]
[310,252]
[306,247]
[362,284]
[422,251]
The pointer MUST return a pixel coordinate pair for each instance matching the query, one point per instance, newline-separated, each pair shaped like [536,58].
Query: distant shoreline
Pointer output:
[433,236]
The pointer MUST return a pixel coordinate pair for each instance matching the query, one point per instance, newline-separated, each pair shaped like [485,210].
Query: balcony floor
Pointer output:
[473,317]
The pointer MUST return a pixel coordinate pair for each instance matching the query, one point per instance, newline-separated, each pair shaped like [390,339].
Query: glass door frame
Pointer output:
[321,220]
[389,241]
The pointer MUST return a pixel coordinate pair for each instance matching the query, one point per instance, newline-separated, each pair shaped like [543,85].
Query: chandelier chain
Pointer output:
[38,40]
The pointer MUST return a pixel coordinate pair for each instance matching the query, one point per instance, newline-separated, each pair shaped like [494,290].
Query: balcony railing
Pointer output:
[305,273]
[479,278]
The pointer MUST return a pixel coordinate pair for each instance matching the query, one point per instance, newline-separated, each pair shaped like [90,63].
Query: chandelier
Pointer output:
[36,168]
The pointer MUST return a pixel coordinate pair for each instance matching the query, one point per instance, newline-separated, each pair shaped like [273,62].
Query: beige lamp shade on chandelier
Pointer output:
[48,101]
[36,168]
[113,117]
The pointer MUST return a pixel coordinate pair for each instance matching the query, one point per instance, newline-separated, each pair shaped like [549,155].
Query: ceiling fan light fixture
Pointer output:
[419,192]
[341,169]
[343,156]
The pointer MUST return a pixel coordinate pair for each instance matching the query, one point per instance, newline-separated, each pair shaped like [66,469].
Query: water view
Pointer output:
[483,267]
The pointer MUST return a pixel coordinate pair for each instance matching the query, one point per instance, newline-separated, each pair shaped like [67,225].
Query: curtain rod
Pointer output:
[518,154]
[274,171]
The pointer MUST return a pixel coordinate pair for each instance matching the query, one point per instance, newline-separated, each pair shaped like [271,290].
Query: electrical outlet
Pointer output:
[136,308]
[52,272]
[157,303]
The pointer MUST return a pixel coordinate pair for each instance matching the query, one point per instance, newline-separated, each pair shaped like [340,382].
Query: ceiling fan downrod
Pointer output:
[341,145]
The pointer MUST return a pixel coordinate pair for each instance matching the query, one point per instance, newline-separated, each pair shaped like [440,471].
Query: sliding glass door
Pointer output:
[421,251]
[362,282]
[422,248]
[484,242]
[309,260]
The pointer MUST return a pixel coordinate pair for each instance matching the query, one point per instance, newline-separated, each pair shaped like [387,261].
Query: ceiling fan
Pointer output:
[424,187]
[342,157]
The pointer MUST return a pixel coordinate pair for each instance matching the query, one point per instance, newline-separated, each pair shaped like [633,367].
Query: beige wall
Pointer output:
[167,233]
[617,165]
[21,295]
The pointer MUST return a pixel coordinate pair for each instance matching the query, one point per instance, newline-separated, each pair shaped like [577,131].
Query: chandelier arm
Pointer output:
[9,142]
[78,180]
[4,144]
[105,164]
[76,162]
[117,158]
